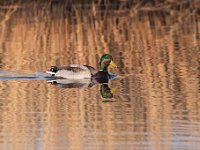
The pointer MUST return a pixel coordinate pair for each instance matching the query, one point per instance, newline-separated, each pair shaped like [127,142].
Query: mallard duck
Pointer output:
[76,71]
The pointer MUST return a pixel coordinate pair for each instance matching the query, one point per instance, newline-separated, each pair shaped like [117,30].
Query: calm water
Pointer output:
[156,99]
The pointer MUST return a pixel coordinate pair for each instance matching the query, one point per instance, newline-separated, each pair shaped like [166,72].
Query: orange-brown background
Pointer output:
[157,49]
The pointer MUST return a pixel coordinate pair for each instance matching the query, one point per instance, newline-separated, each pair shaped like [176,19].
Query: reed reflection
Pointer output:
[157,106]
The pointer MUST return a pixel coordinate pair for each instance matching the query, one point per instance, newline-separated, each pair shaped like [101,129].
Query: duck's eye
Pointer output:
[106,62]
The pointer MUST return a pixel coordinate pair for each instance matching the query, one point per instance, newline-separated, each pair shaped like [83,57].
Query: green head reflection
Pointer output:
[106,92]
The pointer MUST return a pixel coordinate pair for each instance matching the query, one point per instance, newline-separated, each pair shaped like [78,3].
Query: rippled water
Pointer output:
[156,93]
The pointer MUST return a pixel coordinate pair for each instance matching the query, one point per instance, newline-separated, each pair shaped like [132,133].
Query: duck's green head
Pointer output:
[105,61]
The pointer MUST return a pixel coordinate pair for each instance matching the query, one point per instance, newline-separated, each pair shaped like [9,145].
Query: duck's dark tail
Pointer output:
[53,70]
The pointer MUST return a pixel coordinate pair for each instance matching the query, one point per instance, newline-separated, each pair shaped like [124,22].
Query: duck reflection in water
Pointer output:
[105,91]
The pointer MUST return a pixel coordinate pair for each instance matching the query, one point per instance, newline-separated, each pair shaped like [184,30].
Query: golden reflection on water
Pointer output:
[156,103]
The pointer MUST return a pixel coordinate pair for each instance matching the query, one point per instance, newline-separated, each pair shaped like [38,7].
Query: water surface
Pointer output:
[155,104]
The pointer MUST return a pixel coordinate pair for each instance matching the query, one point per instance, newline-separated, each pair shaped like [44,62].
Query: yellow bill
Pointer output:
[112,90]
[113,64]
